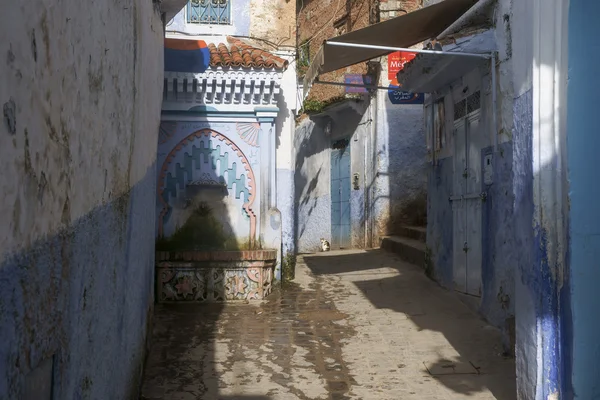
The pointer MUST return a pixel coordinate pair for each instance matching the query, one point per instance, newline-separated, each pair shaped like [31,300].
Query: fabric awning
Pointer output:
[427,73]
[404,31]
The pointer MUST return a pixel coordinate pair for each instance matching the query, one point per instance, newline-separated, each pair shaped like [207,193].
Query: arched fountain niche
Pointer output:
[207,248]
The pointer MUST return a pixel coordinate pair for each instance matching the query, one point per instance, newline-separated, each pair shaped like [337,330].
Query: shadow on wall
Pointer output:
[310,145]
[198,208]
[406,152]
[283,111]
[205,223]
[432,309]
[75,306]
[312,170]
[405,209]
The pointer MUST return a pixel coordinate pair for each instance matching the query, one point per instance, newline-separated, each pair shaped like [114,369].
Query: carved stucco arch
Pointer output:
[250,177]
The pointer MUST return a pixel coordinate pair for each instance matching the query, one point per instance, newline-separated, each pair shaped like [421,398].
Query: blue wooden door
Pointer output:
[340,194]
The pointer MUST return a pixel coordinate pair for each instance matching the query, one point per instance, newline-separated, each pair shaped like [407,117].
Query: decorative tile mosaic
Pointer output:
[215,278]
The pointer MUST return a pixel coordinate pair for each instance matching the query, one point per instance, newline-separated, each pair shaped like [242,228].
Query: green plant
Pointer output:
[288,267]
[312,106]
[303,58]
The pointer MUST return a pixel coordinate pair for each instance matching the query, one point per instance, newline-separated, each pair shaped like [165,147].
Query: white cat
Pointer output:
[325,245]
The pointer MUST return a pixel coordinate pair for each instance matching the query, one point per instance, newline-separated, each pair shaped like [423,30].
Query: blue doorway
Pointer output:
[579,293]
[340,194]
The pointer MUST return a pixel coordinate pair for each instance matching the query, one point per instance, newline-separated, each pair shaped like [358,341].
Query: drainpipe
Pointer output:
[367,178]
[432,129]
[494,102]
[371,160]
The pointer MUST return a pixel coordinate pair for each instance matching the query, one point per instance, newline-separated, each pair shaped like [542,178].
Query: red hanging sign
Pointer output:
[396,63]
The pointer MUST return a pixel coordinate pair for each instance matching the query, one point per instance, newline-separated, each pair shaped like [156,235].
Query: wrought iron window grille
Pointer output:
[209,12]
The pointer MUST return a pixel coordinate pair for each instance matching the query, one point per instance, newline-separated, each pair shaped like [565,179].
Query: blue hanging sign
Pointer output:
[397,96]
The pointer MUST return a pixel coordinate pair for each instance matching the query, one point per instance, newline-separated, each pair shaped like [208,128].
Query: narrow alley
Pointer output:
[353,325]
[313,200]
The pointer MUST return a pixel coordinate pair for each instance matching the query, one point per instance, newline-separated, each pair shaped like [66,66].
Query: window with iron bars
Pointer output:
[467,106]
[209,12]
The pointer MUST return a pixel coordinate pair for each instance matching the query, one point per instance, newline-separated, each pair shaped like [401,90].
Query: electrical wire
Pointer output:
[324,25]
[272,44]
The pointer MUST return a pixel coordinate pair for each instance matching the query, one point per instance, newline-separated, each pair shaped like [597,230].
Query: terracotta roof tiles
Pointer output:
[242,55]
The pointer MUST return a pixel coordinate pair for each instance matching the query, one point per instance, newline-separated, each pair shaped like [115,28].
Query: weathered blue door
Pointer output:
[340,194]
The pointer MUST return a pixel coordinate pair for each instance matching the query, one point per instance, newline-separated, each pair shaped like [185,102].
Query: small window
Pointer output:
[209,12]
[467,106]
[460,109]
[474,102]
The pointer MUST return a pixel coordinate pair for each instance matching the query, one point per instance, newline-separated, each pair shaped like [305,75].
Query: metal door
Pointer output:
[466,205]
[340,194]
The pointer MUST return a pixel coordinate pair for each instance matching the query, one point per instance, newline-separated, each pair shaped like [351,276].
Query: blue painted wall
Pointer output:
[285,204]
[439,220]
[311,180]
[527,278]
[499,252]
[583,149]
[84,296]
[392,182]
[313,172]
[77,194]
[401,171]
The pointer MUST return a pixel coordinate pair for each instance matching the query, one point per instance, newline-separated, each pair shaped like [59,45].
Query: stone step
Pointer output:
[413,232]
[409,250]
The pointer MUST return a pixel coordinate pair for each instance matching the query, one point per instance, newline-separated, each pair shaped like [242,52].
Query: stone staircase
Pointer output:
[409,244]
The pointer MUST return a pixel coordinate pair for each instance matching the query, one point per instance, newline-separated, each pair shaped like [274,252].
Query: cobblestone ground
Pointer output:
[353,325]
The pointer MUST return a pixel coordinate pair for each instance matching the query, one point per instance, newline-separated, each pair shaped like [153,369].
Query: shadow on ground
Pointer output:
[480,364]
[287,347]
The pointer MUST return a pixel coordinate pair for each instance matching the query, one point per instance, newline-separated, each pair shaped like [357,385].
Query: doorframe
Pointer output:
[466,122]
[348,139]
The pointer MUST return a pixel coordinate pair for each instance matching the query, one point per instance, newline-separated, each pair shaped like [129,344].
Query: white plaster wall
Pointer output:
[522,46]
[85,80]
[287,104]
[401,163]
[80,92]
[285,125]
[273,20]
[312,185]
[526,348]
[505,78]
[312,173]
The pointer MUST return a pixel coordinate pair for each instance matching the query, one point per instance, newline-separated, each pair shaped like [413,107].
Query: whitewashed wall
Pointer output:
[80,88]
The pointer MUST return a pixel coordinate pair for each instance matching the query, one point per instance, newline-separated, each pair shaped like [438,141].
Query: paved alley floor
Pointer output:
[353,325]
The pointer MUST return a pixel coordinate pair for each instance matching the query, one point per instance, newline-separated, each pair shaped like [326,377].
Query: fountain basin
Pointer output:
[214,276]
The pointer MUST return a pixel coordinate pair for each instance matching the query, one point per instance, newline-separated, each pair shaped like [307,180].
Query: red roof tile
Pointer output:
[240,54]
